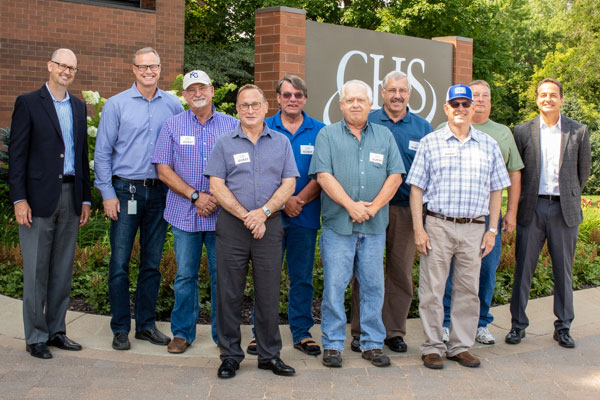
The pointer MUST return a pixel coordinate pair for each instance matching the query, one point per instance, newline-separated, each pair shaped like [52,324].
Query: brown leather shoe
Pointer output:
[178,345]
[433,361]
[466,359]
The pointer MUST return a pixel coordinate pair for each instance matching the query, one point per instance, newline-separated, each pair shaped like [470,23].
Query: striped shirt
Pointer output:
[457,177]
[185,144]
[64,111]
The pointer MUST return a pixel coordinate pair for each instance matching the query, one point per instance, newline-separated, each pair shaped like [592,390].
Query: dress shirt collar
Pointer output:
[137,93]
[363,131]
[449,134]
[195,117]
[239,133]
[544,125]
[67,97]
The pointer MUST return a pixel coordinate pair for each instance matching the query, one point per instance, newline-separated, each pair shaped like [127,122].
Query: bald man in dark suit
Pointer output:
[557,157]
[49,182]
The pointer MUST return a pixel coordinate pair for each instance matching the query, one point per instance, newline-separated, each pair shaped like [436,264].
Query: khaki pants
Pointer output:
[400,257]
[461,244]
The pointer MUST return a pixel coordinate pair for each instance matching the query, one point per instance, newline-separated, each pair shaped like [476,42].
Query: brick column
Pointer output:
[279,48]
[462,64]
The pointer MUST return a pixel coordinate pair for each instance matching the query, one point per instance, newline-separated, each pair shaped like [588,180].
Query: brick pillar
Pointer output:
[462,64]
[279,48]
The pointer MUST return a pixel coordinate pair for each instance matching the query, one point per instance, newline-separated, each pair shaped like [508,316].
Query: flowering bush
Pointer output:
[93,98]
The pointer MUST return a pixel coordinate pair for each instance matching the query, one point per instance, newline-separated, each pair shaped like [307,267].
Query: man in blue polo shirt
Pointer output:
[408,130]
[301,215]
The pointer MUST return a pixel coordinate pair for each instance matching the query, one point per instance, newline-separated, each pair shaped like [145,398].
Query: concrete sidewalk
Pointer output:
[537,368]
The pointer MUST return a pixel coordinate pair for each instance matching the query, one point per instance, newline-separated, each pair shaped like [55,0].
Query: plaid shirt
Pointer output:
[185,144]
[456,177]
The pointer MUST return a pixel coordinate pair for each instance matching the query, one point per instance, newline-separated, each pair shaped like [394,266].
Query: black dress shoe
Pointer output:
[39,350]
[355,344]
[514,336]
[396,344]
[277,366]
[154,336]
[61,341]
[121,341]
[563,338]
[228,368]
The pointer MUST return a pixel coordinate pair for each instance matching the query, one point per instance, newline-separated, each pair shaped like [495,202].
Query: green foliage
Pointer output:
[4,189]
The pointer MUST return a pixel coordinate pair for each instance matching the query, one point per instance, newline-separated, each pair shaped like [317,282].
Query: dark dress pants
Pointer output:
[547,224]
[235,248]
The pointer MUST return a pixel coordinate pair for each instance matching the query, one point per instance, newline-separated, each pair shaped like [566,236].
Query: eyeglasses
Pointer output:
[393,92]
[198,89]
[245,106]
[456,104]
[64,67]
[288,95]
[144,68]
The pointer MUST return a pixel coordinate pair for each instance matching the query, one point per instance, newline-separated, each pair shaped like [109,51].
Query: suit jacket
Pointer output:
[37,150]
[574,168]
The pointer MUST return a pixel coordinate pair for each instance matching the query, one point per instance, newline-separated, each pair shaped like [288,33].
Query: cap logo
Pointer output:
[461,90]
[193,74]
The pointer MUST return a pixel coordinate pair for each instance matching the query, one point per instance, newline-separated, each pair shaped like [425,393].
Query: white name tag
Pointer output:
[241,158]
[187,140]
[376,158]
[449,152]
[412,145]
[307,149]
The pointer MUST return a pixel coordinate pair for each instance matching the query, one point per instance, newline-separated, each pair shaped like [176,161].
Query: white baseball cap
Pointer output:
[196,76]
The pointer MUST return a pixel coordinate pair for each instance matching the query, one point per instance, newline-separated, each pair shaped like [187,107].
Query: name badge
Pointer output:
[187,140]
[307,149]
[241,158]
[376,158]
[449,153]
[412,145]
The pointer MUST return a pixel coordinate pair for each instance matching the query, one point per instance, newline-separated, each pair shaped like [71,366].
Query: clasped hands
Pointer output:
[206,204]
[361,211]
[255,221]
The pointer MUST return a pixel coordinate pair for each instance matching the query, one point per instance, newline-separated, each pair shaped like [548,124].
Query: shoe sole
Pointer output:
[486,342]
[463,363]
[332,364]
[433,366]
[121,347]
[268,367]
[140,337]
[177,351]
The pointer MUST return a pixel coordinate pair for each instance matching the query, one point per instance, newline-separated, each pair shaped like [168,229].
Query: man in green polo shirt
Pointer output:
[482,103]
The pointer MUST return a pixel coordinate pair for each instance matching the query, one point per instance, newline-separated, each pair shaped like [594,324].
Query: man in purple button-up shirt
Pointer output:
[182,149]
[252,174]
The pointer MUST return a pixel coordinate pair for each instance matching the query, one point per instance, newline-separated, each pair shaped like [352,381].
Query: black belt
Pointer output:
[144,182]
[550,197]
[475,220]
[68,179]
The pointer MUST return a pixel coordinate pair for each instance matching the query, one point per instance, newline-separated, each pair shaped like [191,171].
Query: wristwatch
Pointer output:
[493,230]
[266,211]
[195,196]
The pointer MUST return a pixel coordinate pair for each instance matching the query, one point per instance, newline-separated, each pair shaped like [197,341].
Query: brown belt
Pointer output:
[475,220]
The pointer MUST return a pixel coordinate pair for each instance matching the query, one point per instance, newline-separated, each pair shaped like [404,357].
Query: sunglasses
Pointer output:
[288,95]
[456,104]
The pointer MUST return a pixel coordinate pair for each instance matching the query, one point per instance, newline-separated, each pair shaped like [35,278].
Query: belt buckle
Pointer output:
[147,180]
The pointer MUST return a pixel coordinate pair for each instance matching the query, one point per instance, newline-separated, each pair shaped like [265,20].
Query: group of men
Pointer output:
[257,190]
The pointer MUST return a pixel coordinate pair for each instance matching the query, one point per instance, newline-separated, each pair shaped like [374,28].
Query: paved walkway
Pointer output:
[536,369]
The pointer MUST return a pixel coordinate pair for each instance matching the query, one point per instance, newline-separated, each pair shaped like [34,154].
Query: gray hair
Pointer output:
[480,82]
[356,82]
[550,80]
[144,51]
[395,75]
[297,82]
[250,86]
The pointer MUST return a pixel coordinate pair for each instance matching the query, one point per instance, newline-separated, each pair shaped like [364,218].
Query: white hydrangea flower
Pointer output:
[173,92]
[91,164]
[182,101]
[91,97]
[92,130]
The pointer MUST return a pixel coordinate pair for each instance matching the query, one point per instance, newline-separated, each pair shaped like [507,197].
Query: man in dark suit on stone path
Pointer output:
[557,157]
[50,188]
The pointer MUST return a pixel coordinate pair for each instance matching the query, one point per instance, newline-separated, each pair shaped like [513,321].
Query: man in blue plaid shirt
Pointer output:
[182,150]
[460,173]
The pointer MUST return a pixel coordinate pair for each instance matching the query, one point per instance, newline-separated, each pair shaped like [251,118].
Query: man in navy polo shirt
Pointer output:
[408,129]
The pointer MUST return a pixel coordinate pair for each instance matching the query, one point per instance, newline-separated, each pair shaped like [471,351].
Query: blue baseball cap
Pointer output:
[459,92]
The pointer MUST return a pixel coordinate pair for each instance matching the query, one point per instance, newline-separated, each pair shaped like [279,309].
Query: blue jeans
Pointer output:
[487,282]
[299,247]
[188,251]
[153,229]
[343,256]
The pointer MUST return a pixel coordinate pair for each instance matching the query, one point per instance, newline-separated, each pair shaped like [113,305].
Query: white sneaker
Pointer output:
[445,335]
[484,336]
